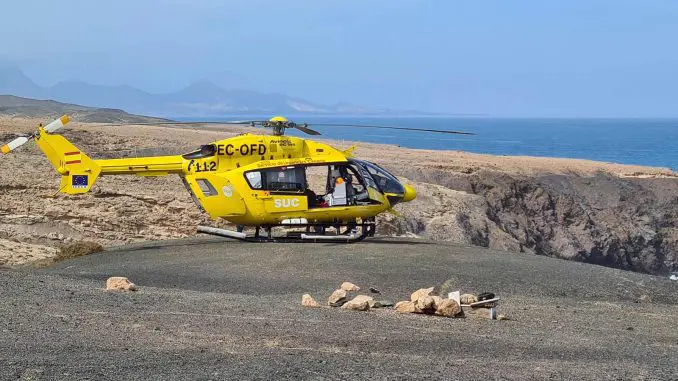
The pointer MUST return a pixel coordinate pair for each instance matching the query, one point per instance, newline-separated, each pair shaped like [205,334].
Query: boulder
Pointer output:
[337,299]
[449,308]
[406,306]
[437,300]
[468,299]
[120,283]
[421,293]
[365,298]
[359,303]
[426,305]
[308,301]
[348,286]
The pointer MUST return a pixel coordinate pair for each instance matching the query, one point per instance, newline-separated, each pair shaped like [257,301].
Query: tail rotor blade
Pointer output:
[57,124]
[14,144]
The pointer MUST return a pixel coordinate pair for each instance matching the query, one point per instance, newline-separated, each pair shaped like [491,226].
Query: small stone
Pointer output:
[502,317]
[468,299]
[426,305]
[359,303]
[120,283]
[337,299]
[449,308]
[374,290]
[421,293]
[381,304]
[406,306]
[485,296]
[437,300]
[308,301]
[348,286]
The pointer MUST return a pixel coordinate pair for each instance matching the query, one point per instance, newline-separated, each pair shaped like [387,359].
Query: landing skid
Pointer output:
[345,233]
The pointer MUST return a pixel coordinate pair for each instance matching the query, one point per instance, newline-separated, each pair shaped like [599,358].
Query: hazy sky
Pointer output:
[498,57]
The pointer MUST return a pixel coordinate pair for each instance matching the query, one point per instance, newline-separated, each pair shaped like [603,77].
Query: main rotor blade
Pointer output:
[306,130]
[14,144]
[191,123]
[393,128]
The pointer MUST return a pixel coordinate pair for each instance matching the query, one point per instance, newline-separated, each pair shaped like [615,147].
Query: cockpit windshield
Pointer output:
[386,181]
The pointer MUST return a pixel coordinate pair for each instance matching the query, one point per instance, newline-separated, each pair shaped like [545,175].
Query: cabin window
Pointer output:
[254,179]
[283,179]
[206,187]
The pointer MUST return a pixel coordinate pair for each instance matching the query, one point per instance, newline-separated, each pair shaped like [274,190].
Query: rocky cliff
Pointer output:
[601,218]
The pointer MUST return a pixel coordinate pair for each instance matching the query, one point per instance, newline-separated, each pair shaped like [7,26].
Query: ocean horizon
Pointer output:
[641,141]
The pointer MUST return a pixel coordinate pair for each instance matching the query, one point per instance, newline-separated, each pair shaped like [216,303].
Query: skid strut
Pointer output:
[345,233]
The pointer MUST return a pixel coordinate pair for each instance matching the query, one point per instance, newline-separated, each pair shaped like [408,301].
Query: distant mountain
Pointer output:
[14,81]
[13,106]
[201,99]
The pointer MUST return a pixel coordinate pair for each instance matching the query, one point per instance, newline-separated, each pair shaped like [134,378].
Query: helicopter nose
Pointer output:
[410,194]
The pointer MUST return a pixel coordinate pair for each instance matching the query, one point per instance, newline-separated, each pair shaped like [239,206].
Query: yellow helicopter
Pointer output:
[253,180]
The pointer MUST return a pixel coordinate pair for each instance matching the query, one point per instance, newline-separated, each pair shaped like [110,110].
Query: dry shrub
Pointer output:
[77,249]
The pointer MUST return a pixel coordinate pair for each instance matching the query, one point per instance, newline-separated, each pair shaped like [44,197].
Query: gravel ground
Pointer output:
[214,309]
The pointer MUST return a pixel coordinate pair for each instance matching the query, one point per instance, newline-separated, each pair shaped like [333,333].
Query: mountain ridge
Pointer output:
[199,99]
[14,106]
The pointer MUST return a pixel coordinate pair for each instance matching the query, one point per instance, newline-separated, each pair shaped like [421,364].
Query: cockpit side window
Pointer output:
[386,181]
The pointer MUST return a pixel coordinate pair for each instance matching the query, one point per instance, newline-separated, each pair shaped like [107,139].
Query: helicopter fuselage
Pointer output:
[252,180]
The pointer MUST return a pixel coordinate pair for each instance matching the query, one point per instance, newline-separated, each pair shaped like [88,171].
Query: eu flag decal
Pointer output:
[79,181]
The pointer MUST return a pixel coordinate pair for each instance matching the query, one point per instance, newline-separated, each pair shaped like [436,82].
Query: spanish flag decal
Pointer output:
[73,157]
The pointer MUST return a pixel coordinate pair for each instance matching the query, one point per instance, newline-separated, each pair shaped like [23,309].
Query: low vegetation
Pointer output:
[77,249]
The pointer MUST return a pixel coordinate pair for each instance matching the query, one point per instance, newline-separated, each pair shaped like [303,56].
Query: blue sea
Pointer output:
[652,142]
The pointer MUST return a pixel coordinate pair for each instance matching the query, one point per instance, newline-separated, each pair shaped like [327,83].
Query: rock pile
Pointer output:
[340,298]
[423,301]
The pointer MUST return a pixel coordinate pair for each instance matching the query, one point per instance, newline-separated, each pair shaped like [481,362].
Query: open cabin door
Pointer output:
[373,191]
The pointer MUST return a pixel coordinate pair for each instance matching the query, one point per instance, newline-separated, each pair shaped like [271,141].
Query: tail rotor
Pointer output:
[20,141]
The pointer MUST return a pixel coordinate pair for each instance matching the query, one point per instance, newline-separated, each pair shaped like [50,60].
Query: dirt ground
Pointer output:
[214,309]
[34,218]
